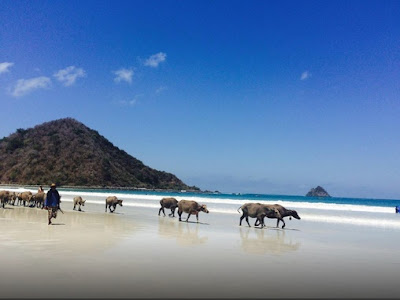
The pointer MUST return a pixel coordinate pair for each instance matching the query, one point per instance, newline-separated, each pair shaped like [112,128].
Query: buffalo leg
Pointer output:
[172,212]
[197,217]
[241,219]
[188,217]
[259,221]
[161,209]
[179,214]
[283,226]
[247,220]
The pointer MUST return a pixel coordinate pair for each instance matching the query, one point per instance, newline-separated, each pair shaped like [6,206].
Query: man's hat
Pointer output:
[53,184]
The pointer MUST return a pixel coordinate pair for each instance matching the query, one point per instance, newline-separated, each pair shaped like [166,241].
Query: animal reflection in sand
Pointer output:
[73,229]
[261,241]
[184,233]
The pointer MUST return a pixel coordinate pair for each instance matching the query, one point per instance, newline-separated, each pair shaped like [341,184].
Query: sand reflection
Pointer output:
[186,234]
[266,241]
[86,232]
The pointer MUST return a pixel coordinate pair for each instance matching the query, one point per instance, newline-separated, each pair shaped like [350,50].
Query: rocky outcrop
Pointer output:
[317,192]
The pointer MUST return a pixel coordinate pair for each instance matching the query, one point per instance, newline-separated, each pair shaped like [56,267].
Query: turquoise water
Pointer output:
[257,197]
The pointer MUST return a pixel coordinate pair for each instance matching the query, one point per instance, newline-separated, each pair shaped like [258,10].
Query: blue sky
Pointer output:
[270,97]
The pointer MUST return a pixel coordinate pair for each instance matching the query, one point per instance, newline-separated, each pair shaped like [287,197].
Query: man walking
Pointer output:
[52,202]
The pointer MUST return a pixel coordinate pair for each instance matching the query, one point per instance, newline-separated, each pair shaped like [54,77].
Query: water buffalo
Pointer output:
[171,203]
[39,199]
[257,210]
[191,208]
[24,197]
[283,212]
[4,198]
[79,201]
[112,201]
[12,198]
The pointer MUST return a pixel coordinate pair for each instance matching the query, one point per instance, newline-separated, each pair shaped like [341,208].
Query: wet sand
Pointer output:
[134,253]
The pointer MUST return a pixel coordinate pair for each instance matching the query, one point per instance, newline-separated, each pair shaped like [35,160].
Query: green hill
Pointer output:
[69,153]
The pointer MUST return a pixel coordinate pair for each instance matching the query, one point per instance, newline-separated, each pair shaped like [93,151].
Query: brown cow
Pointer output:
[171,203]
[25,197]
[39,199]
[12,197]
[191,208]
[79,201]
[283,212]
[256,210]
[112,201]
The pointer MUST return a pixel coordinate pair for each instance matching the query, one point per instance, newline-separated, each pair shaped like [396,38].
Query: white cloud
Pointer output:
[123,75]
[25,86]
[305,75]
[69,75]
[4,67]
[155,60]
[161,89]
[133,101]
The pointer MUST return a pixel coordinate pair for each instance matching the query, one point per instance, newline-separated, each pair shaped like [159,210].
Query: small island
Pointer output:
[317,192]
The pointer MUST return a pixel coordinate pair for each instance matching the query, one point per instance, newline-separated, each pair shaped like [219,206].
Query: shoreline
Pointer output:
[183,192]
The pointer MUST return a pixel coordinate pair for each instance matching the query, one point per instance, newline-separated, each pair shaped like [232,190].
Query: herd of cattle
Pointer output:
[29,199]
[253,210]
[23,198]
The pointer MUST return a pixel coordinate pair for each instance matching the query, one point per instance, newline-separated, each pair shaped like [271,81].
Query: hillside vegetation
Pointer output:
[69,153]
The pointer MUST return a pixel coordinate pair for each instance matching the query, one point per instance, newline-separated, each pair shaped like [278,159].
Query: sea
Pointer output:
[356,211]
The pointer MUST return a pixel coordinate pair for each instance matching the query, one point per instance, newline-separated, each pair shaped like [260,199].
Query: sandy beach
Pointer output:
[134,253]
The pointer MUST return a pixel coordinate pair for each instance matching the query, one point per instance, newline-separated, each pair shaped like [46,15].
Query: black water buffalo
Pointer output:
[112,201]
[171,203]
[283,212]
[191,208]
[256,210]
